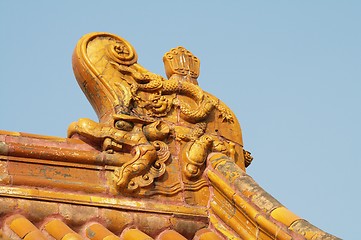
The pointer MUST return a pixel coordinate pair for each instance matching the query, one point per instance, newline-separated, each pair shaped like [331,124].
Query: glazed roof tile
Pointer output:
[18,226]
[62,200]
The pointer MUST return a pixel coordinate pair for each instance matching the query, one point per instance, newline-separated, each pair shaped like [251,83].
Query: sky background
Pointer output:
[290,70]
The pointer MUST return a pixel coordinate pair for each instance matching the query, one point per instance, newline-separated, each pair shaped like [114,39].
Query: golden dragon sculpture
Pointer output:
[142,113]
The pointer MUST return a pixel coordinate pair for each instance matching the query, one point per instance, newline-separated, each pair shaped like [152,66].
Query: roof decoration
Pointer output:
[164,161]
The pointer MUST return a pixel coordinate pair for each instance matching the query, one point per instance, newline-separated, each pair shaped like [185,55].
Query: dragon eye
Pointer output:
[123,125]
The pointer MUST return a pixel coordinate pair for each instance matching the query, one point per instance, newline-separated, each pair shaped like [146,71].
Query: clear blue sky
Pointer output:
[290,70]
